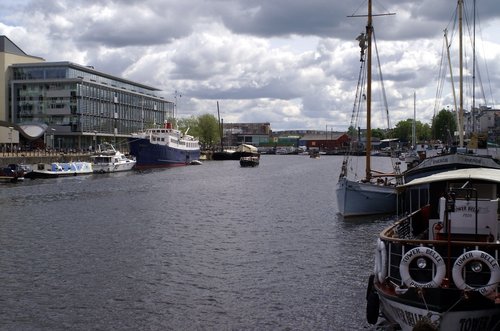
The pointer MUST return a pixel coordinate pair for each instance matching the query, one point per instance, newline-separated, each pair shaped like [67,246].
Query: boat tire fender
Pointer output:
[429,253]
[372,308]
[476,255]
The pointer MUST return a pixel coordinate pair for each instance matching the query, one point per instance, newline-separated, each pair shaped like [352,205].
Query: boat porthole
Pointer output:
[404,267]
[476,255]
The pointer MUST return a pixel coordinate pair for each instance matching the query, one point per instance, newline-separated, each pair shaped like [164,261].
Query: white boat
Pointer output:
[438,265]
[59,169]
[249,161]
[108,159]
[375,193]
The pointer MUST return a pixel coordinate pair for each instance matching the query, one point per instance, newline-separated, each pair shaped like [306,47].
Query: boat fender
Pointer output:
[372,308]
[476,255]
[369,288]
[380,261]
[422,252]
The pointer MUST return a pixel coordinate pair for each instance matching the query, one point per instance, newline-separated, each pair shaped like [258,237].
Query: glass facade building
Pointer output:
[82,106]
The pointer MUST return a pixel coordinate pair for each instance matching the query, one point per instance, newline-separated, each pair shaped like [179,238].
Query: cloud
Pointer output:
[293,64]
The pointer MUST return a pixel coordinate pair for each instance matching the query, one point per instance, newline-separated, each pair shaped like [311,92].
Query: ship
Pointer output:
[163,147]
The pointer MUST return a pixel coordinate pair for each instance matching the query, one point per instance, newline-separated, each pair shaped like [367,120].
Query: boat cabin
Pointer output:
[456,205]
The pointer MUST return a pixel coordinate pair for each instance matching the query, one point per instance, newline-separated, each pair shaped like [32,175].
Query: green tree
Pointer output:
[423,131]
[208,131]
[378,133]
[188,123]
[352,132]
[403,130]
[444,126]
[204,127]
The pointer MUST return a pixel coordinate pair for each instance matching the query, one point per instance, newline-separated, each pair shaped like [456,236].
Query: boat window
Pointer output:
[484,191]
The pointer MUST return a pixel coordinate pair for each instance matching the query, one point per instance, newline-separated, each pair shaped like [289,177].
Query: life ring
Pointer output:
[424,252]
[380,261]
[490,261]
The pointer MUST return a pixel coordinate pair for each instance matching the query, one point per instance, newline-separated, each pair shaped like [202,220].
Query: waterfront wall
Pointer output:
[41,157]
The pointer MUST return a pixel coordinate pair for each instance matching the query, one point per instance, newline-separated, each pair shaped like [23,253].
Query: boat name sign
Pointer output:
[472,321]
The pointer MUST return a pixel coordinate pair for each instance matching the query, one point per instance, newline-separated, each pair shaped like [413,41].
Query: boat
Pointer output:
[314,155]
[242,150]
[13,172]
[60,169]
[249,161]
[108,159]
[163,147]
[437,266]
[375,193]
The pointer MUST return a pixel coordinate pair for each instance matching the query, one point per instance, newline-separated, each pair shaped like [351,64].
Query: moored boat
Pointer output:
[249,161]
[13,173]
[438,265]
[108,159]
[375,193]
[59,169]
[163,147]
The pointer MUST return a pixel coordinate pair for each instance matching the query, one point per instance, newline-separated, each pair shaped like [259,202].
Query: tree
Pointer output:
[444,126]
[403,130]
[378,133]
[208,131]
[204,127]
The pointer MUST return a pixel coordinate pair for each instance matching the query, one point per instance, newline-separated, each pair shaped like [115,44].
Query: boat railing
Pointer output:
[425,271]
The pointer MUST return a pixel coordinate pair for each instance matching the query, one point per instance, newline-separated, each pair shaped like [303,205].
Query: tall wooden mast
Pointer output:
[461,92]
[369,32]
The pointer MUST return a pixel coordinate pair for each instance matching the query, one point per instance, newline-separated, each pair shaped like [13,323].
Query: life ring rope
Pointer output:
[412,254]
[476,255]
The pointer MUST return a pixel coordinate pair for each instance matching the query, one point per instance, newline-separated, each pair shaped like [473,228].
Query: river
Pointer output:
[210,247]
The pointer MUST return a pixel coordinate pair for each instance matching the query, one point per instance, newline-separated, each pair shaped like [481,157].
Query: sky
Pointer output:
[291,63]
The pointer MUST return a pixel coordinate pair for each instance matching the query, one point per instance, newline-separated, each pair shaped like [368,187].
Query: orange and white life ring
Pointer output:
[429,253]
[476,255]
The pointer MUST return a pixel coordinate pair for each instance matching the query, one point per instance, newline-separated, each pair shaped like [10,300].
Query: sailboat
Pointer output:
[375,193]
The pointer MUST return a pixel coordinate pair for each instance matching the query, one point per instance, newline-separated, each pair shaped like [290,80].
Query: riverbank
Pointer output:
[34,157]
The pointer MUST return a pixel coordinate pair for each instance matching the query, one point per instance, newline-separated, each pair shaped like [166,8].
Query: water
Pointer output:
[211,247]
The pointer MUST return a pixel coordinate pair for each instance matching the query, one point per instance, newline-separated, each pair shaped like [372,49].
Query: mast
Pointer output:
[461,92]
[221,131]
[413,127]
[369,30]
[473,110]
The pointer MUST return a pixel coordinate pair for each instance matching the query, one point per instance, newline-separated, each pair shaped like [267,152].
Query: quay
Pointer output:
[40,156]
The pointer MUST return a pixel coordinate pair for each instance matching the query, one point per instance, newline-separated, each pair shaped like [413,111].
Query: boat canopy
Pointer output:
[246,148]
[486,174]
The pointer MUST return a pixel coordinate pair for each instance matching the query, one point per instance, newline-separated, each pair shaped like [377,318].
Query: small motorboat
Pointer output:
[249,161]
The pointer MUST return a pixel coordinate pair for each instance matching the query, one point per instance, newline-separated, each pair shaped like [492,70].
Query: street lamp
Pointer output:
[52,138]
[10,139]
[95,140]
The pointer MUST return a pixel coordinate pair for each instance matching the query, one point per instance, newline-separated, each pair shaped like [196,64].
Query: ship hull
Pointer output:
[358,199]
[149,155]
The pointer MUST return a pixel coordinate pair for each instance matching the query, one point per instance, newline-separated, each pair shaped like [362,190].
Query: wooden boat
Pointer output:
[249,161]
[438,265]
[375,193]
